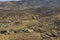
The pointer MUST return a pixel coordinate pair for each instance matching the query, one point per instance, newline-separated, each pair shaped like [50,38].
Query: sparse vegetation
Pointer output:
[41,23]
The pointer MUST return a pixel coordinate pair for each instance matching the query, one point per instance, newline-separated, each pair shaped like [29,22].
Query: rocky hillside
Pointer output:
[38,20]
[34,24]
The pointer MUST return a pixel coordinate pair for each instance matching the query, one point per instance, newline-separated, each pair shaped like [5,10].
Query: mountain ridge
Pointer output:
[25,4]
[34,2]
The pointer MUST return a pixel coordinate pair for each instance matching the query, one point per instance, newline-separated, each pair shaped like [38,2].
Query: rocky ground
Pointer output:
[30,24]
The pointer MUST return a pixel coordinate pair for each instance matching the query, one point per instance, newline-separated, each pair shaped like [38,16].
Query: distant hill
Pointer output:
[29,3]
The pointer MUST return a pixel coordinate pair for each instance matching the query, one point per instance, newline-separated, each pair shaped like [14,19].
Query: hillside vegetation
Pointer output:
[42,23]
